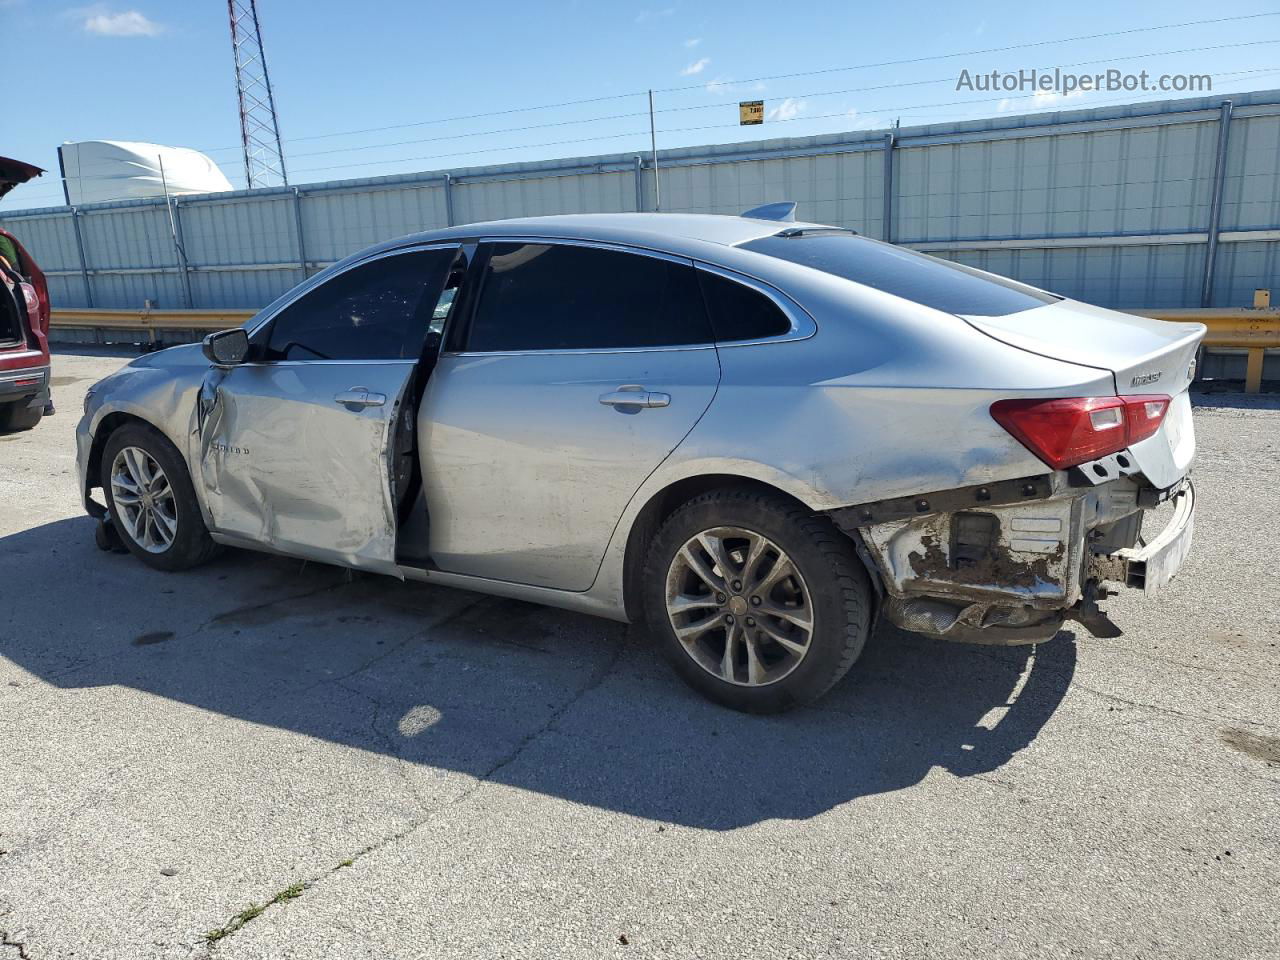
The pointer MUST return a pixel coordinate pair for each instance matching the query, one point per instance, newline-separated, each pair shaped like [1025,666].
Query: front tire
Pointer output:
[758,603]
[151,501]
[18,416]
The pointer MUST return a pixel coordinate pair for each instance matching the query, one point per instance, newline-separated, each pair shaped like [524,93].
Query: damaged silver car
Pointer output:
[754,434]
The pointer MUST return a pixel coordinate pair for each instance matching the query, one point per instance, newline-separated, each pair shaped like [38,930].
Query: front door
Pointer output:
[573,374]
[295,446]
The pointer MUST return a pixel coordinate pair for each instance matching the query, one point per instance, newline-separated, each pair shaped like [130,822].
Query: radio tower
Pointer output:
[259,126]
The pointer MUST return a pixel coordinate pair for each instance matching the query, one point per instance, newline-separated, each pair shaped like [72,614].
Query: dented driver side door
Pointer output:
[295,445]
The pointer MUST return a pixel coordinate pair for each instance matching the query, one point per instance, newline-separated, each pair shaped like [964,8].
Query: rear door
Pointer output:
[572,374]
[295,447]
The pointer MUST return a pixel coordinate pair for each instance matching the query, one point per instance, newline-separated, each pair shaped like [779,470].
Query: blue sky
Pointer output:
[161,71]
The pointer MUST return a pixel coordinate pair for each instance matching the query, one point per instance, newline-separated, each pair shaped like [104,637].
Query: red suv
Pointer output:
[24,321]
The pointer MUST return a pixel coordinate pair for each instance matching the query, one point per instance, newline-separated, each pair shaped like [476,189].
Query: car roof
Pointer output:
[677,233]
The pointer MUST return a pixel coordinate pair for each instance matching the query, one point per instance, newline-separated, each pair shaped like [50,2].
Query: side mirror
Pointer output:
[226,348]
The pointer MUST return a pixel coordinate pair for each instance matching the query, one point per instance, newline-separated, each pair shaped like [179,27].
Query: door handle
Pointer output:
[360,397]
[634,395]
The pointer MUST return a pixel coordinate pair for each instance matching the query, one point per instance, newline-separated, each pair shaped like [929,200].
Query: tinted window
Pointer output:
[378,311]
[903,273]
[538,296]
[738,312]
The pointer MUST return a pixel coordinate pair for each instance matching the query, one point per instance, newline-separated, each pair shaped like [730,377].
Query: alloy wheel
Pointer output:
[144,501]
[739,606]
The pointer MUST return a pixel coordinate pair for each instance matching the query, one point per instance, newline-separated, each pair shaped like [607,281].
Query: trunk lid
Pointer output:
[1144,356]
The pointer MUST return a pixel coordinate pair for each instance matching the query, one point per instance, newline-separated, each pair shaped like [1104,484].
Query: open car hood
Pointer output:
[14,172]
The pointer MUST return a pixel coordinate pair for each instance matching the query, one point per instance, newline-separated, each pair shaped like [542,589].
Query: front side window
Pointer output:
[922,279]
[540,296]
[380,310]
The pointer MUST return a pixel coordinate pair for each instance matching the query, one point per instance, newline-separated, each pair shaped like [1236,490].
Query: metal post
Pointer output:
[448,200]
[653,145]
[84,266]
[175,232]
[297,223]
[639,184]
[886,231]
[1215,205]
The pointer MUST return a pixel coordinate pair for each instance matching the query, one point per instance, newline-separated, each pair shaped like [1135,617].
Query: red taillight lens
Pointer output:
[1070,430]
[1145,414]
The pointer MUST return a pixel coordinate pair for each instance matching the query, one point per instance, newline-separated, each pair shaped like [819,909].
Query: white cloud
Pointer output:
[692,42]
[718,85]
[1047,98]
[788,109]
[644,15]
[108,23]
[696,67]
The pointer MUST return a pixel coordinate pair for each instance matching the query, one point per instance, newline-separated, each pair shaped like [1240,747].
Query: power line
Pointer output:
[906,108]
[721,104]
[780,76]
[840,115]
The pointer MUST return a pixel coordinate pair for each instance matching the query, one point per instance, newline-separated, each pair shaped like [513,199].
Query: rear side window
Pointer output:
[739,312]
[377,311]
[538,296]
[904,273]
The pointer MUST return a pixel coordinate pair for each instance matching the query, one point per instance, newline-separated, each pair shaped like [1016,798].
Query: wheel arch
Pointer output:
[105,427]
[661,505]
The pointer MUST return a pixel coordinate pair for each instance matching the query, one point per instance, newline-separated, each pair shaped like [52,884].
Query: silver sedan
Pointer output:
[753,434]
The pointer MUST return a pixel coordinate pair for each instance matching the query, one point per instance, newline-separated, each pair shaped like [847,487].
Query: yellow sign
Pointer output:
[750,112]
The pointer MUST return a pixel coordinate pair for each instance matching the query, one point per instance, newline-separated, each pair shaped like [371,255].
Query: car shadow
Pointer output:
[544,700]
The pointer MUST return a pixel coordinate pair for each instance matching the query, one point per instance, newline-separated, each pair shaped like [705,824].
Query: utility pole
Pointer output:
[653,145]
[259,125]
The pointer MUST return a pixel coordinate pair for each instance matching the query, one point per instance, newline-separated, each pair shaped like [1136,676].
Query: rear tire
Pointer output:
[18,416]
[151,501]
[785,624]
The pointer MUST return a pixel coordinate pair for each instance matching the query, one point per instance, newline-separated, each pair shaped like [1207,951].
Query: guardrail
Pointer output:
[1253,330]
[149,321]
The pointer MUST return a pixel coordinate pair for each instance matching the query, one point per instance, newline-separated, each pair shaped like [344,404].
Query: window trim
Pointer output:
[576,351]
[319,280]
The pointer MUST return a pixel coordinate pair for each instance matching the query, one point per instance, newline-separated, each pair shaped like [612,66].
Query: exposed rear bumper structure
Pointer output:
[1009,563]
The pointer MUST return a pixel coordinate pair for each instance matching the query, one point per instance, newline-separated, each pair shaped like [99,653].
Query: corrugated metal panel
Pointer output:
[339,223]
[1251,192]
[1123,277]
[50,239]
[242,288]
[135,289]
[240,231]
[1155,180]
[1243,268]
[585,193]
[128,237]
[1131,170]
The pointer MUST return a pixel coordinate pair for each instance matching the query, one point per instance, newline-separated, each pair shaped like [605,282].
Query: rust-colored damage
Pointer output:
[995,567]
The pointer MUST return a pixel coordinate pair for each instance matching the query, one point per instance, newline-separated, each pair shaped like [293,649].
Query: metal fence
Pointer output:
[1153,205]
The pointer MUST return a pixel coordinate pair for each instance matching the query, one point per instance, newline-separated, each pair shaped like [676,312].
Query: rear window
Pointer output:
[904,273]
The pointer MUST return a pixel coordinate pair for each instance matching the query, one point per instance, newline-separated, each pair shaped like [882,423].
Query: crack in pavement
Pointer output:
[1169,711]
[18,945]
[598,677]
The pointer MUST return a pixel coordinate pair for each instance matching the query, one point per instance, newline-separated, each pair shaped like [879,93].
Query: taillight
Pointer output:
[1070,430]
[1145,415]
